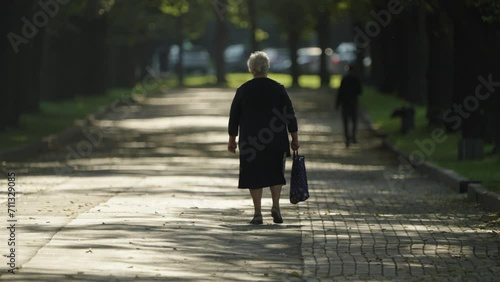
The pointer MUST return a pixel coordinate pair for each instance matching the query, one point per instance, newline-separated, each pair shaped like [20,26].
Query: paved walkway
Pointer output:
[156,201]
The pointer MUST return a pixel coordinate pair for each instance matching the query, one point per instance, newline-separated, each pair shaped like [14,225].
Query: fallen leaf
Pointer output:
[295,274]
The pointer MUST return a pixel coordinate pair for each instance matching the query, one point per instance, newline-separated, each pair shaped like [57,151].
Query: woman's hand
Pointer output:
[231,144]
[295,141]
[295,145]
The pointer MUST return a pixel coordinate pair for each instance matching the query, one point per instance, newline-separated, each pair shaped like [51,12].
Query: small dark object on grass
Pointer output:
[407,115]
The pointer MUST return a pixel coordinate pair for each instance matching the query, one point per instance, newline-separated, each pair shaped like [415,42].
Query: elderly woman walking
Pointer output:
[262,114]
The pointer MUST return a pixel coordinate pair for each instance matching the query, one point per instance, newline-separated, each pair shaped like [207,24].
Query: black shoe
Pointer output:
[276,216]
[354,141]
[257,219]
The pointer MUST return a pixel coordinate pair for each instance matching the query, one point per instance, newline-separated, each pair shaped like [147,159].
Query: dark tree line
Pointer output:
[438,54]
[18,77]
[58,49]
[431,52]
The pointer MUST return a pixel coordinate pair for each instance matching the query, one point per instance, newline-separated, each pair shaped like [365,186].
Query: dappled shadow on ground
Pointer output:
[369,220]
[181,245]
[377,233]
[156,200]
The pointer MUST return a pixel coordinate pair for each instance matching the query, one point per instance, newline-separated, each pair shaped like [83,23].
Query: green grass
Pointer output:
[191,81]
[55,116]
[445,154]
[234,80]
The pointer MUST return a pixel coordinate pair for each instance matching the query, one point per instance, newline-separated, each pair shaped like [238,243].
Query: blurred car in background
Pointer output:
[279,58]
[308,60]
[236,57]
[196,59]
[344,55]
[347,53]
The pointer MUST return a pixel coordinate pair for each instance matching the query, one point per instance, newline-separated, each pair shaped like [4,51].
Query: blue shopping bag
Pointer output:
[299,189]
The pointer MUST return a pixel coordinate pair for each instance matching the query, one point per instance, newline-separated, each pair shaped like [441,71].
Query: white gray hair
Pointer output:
[258,63]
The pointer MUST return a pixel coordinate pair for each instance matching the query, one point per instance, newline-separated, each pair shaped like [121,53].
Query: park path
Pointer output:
[155,200]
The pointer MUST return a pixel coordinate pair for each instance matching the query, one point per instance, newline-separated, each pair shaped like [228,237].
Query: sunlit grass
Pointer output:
[234,80]
[55,116]
[445,154]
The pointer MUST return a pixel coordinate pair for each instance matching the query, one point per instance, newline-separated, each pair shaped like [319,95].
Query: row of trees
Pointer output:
[57,49]
[436,53]
[444,54]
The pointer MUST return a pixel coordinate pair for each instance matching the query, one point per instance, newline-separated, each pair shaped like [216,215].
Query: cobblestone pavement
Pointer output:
[370,219]
[150,195]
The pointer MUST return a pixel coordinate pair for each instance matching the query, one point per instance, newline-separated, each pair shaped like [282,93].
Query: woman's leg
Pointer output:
[256,197]
[275,210]
[345,123]
[354,125]
[276,194]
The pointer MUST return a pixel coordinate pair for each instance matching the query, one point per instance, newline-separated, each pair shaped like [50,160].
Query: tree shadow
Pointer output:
[163,204]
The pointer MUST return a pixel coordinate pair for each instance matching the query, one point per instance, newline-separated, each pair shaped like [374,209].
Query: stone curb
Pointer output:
[52,141]
[457,183]
[448,177]
[484,197]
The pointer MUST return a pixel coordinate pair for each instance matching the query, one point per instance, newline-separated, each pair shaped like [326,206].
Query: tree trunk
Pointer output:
[293,46]
[474,58]
[221,38]
[377,75]
[180,42]
[361,53]
[440,68]
[404,33]
[387,53]
[293,32]
[413,83]
[469,39]
[492,105]
[34,67]
[28,67]
[323,33]
[496,122]
[19,67]
[94,63]
[8,23]
[252,13]
[57,82]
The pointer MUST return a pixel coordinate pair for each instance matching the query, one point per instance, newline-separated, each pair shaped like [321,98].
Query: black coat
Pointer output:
[262,115]
[349,91]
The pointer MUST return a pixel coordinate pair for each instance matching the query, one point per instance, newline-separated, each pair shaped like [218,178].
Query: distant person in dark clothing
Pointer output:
[263,116]
[347,99]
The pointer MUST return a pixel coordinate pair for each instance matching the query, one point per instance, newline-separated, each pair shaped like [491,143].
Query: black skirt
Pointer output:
[265,170]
